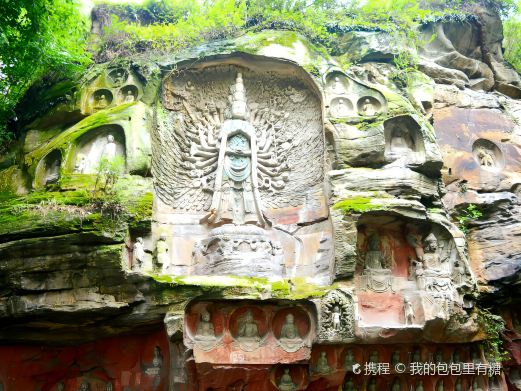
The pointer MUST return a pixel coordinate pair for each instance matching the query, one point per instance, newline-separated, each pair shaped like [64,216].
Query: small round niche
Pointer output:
[101,99]
[128,94]
[368,106]
[117,77]
[488,155]
[341,107]
[337,83]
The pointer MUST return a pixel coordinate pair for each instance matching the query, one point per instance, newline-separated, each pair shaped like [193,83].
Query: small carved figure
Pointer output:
[459,273]
[374,357]
[349,360]
[157,361]
[101,102]
[85,386]
[60,386]
[396,385]
[456,357]
[322,364]
[109,386]
[205,329]
[341,109]
[368,108]
[119,77]
[162,253]
[338,87]
[289,329]
[419,386]
[138,254]
[372,385]
[336,318]
[349,385]
[475,385]
[409,311]
[440,386]
[286,382]
[416,357]
[457,386]
[439,357]
[81,165]
[485,158]
[401,140]
[395,358]
[129,97]
[248,329]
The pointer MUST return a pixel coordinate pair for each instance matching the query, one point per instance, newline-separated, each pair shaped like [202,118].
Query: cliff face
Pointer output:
[249,214]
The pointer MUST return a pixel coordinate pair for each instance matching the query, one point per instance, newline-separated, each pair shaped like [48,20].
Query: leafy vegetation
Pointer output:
[38,38]
[493,325]
[511,41]
[468,214]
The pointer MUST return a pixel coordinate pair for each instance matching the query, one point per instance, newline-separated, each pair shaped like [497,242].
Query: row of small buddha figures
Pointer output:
[103,98]
[248,328]
[456,383]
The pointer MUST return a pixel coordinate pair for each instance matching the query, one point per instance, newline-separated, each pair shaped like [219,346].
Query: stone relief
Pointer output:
[349,385]
[85,386]
[286,382]
[248,337]
[347,98]
[322,366]
[408,312]
[101,99]
[232,156]
[376,274]
[116,77]
[290,338]
[337,317]
[205,337]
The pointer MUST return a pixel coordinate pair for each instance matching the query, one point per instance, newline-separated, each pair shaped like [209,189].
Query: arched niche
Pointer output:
[48,170]
[403,137]
[101,99]
[488,155]
[107,141]
[128,94]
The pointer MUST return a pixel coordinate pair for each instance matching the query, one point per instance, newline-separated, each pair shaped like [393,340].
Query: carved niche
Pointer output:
[113,87]
[238,157]
[336,317]
[244,333]
[104,143]
[488,155]
[349,99]
[403,140]
[48,169]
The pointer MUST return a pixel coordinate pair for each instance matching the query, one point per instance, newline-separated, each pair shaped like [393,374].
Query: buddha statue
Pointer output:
[286,382]
[157,361]
[60,386]
[341,109]
[205,329]
[396,385]
[349,385]
[457,386]
[322,364]
[101,102]
[374,258]
[338,87]
[248,329]
[289,329]
[475,385]
[109,386]
[368,108]
[109,150]
[129,97]
[409,311]
[401,141]
[440,386]
[349,360]
[419,386]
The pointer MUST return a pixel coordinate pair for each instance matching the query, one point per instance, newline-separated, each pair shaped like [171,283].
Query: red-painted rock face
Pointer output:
[127,363]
